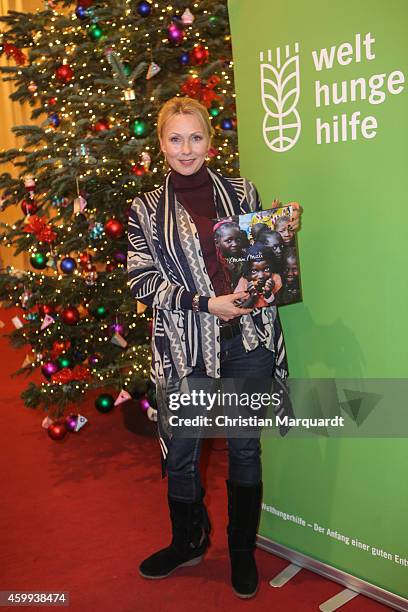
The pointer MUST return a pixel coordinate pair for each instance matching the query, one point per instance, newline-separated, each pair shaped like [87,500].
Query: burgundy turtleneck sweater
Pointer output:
[195,193]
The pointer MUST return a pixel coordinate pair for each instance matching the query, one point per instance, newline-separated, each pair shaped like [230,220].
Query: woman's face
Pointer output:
[185,143]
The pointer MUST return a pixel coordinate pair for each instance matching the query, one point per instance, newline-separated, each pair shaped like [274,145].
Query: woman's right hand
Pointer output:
[224,306]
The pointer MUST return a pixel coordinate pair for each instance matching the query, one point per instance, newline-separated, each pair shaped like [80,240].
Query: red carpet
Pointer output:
[78,515]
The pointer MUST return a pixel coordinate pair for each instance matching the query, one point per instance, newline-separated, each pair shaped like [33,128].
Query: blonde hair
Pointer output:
[184,105]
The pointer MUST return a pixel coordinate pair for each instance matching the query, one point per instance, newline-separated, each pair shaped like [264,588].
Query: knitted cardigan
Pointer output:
[166,268]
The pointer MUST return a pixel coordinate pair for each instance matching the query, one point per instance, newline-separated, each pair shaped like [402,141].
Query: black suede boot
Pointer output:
[244,508]
[191,528]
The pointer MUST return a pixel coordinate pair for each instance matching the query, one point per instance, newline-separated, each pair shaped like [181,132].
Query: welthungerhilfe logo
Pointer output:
[280,91]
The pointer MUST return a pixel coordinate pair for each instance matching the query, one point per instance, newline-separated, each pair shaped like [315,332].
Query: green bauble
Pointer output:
[65,362]
[100,312]
[104,402]
[213,21]
[139,127]
[95,31]
[214,111]
[127,68]
[38,261]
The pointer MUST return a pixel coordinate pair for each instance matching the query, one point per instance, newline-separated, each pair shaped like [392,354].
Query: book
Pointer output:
[258,253]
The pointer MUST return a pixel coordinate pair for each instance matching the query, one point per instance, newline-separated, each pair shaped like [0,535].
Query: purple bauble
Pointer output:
[93,360]
[175,34]
[117,328]
[120,256]
[71,422]
[49,368]
[144,403]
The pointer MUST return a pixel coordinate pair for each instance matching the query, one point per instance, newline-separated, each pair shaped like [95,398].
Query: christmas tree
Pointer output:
[95,75]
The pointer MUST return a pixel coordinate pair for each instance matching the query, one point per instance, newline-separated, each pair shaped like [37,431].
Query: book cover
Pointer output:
[258,253]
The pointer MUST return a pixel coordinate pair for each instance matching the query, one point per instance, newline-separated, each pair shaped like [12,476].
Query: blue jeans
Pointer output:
[184,481]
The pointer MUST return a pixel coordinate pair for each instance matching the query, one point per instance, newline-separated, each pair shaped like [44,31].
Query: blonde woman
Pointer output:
[199,332]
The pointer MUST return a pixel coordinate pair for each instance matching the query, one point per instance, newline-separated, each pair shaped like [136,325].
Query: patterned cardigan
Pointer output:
[165,261]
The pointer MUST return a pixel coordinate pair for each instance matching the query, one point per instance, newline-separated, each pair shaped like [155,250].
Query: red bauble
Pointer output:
[46,309]
[138,169]
[110,267]
[64,73]
[70,315]
[101,125]
[199,55]
[114,228]
[60,345]
[57,430]
[52,101]
[84,3]
[85,259]
[29,207]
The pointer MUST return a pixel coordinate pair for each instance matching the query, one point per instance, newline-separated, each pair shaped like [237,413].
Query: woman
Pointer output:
[197,331]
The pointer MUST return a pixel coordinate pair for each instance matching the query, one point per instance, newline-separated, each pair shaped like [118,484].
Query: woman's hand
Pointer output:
[295,218]
[224,306]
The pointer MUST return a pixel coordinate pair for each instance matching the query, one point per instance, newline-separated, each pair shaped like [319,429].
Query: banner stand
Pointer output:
[285,575]
[350,582]
[339,600]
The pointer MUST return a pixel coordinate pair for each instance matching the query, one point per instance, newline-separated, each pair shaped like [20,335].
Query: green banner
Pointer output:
[322,119]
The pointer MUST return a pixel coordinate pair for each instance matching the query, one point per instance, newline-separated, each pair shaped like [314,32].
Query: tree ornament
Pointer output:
[49,368]
[46,309]
[70,315]
[32,87]
[96,230]
[199,55]
[119,340]
[151,414]
[120,256]
[184,58]
[90,275]
[175,34]
[65,362]
[48,320]
[104,403]
[144,403]
[146,160]
[54,119]
[118,326]
[144,8]
[64,73]
[38,260]
[71,422]
[138,169]
[52,101]
[214,111]
[226,124]
[84,3]
[68,265]
[100,312]
[139,127]
[93,360]
[123,396]
[114,229]
[18,324]
[101,125]
[79,205]
[129,94]
[213,21]
[127,68]
[187,17]
[81,12]
[29,183]
[111,266]
[152,70]
[95,32]
[28,207]
[84,259]
[82,150]
[46,422]
[57,430]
